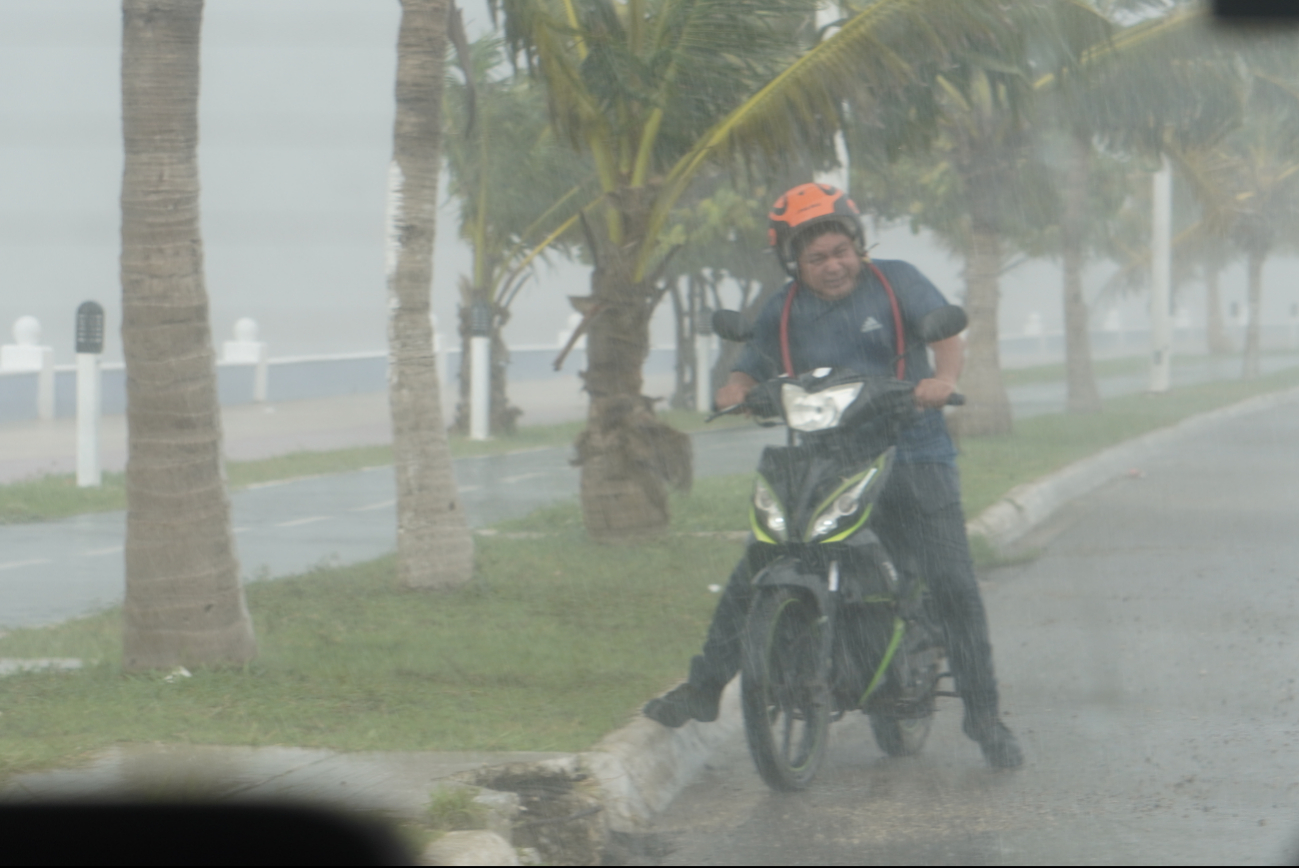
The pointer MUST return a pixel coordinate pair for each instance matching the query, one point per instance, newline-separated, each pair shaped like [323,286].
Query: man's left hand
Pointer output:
[932,394]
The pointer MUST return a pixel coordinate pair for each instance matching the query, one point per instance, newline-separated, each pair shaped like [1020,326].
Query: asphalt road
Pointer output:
[1148,663]
[58,570]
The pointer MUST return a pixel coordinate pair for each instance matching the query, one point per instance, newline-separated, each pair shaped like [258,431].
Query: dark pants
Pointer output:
[920,521]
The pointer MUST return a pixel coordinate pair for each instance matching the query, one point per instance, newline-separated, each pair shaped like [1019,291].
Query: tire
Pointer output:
[786,697]
[916,670]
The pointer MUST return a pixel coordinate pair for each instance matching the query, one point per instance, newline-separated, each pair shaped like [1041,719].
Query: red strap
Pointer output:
[784,331]
[900,340]
[899,335]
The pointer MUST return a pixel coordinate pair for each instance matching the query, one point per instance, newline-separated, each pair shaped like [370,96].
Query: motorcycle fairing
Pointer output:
[805,480]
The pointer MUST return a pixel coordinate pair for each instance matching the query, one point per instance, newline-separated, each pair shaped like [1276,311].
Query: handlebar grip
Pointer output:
[955,400]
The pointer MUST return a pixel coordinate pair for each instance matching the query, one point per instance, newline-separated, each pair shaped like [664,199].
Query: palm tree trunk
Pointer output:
[1250,368]
[1215,326]
[1080,380]
[987,411]
[184,603]
[434,547]
[628,457]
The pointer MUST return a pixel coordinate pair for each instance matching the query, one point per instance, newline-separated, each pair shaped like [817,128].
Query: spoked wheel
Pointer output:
[904,734]
[785,691]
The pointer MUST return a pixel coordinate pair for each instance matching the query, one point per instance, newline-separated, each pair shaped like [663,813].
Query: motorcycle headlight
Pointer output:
[816,411]
[767,515]
[841,508]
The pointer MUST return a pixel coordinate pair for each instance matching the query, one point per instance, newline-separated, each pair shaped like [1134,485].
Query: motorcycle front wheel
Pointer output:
[786,697]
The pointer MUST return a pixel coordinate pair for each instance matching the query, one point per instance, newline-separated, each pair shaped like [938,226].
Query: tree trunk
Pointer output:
[1080,380]
[184,602]
[1250,368]
[434,547]
[987,411]
[1215,326]
[683,393]
[628,457]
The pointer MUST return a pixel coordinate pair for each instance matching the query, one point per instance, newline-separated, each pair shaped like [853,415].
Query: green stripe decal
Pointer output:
[899,627]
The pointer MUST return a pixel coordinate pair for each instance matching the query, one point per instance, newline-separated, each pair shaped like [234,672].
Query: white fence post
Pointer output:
[90,401]
[245,349]
[480,362]
[27,354]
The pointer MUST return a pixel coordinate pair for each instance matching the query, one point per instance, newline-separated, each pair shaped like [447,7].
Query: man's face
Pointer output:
[829,265]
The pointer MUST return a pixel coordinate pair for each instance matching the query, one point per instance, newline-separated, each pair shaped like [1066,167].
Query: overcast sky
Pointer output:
[295,138]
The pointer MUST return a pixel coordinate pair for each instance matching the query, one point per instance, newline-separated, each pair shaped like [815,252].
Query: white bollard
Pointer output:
[480,361]
[27,354]
[703,372]
[89,405]
[480,374]
[245,349]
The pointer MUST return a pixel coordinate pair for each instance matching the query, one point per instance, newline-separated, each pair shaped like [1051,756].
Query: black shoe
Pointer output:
[1000,747]
[684,702]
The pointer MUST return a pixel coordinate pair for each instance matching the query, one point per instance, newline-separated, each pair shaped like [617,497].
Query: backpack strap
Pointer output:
[899,334]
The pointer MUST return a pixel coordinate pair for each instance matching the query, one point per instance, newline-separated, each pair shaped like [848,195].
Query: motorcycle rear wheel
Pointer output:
[786,697]
[916,668]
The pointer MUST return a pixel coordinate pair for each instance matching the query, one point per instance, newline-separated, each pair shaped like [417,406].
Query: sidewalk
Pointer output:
[253,431]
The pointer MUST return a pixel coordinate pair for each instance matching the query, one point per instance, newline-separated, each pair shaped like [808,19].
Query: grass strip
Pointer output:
[57,496]
[556,642]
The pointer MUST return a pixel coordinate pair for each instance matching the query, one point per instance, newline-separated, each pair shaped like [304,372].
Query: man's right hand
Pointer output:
[735,391]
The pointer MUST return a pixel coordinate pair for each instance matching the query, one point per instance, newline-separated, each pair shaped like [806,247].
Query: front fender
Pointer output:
[790,572]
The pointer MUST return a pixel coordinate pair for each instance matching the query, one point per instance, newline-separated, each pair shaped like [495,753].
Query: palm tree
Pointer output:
[656,89]
[1131,91]
[519,190]
[184,602]
[434,546]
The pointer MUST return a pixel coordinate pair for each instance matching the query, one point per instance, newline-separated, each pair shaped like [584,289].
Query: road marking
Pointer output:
[521,477]
[380,505]
[30,562]
[311,519]
[238,529]
[463,488]
[111,550]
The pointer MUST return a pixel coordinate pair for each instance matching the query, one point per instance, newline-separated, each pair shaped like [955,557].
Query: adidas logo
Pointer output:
[871,324]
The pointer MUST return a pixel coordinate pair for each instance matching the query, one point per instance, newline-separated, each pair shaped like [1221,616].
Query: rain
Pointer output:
[388,473]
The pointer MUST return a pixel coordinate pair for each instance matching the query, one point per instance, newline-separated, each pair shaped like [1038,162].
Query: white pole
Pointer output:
[261,375]
[826,14]
[45,386]
[703,372]
[89,404]
[480,361]
[1161,320]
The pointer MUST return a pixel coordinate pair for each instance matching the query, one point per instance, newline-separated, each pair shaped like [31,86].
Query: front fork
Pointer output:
[825,591]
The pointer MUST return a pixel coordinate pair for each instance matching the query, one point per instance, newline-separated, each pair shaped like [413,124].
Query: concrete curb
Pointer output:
[642,767]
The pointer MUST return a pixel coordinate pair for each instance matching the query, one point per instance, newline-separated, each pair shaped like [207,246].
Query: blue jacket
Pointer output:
[857,332]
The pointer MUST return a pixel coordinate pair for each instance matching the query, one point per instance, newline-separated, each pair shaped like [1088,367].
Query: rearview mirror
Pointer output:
[730,325]
[943,323]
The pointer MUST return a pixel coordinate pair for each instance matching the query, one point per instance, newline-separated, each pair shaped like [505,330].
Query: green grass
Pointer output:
[57,495]
[555,643]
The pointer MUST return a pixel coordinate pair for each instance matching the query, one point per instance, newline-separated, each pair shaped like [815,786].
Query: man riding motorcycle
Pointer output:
[842,310]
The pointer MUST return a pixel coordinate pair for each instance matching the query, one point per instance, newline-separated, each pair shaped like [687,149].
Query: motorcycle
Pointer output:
[836,624]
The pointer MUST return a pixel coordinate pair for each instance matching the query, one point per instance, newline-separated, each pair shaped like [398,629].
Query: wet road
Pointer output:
[57,570]
[1148,664]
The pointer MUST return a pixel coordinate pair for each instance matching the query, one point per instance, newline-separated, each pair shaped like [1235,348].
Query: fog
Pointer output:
[295,137]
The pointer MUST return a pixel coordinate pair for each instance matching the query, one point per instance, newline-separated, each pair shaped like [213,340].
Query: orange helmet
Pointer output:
[803,207]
